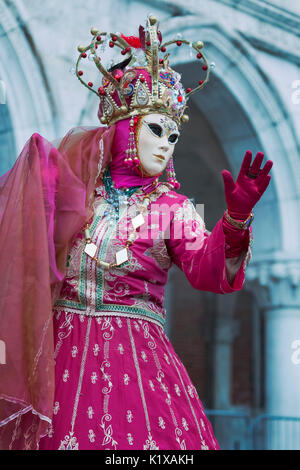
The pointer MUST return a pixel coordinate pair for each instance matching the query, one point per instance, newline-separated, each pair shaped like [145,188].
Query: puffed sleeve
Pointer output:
[201,254]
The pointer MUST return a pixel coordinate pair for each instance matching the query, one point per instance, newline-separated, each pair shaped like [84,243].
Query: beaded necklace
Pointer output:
[114,197]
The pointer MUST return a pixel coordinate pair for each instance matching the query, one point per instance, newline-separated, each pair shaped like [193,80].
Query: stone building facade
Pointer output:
[240,349]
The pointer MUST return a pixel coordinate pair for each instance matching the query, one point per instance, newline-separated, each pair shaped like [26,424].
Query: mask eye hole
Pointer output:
[173,138]
[155,129]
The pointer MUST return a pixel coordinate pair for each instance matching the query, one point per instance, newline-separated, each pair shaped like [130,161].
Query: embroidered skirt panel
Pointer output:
[120,385]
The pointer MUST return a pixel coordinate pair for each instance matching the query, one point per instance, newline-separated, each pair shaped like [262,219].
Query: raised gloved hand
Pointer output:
[252,181]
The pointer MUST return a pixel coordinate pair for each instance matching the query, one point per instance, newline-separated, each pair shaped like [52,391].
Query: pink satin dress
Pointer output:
[119,384]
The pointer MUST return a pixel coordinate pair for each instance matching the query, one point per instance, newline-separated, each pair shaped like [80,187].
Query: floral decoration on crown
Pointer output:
[143,82]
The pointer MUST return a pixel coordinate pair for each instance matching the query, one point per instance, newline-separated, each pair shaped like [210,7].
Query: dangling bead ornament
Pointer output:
[132,159]
[171,176]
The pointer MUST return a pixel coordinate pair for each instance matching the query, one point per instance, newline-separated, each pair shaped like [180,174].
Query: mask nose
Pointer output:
[165,146]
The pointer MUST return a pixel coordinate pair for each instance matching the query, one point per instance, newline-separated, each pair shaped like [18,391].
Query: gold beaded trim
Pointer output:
[241,225]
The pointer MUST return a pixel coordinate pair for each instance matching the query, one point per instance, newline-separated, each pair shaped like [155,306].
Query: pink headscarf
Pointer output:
[121,175]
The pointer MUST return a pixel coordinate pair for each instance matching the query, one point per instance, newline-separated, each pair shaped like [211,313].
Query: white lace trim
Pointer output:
[108,314]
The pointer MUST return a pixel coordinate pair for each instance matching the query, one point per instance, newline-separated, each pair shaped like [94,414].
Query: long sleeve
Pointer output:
[201,254]
[236,246]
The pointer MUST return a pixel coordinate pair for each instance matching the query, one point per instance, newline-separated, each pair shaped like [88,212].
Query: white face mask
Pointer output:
[156,142]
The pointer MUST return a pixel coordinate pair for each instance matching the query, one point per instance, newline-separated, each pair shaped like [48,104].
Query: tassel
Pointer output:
[131,160]
[171,176]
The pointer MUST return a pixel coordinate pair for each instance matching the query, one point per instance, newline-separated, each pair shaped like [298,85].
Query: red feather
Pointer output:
[132,41]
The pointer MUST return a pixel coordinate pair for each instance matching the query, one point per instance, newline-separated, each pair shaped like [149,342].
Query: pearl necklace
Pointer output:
[121,256]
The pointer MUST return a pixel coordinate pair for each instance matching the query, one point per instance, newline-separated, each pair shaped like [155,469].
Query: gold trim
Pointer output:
[238,224]
[144,112]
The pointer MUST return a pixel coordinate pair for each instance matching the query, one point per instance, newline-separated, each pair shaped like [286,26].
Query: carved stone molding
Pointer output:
[249,15]
[275,283]
[28,92]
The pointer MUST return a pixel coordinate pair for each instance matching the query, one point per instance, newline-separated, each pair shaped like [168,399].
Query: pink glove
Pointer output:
[242,195]
[236,240]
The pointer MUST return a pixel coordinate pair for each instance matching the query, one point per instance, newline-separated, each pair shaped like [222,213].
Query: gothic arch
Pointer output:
[29,95]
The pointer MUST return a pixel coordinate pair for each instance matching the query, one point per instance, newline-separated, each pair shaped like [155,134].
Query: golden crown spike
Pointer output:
[142,82]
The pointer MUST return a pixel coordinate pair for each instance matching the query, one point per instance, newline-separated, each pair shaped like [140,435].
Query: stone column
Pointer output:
[226,329]
[276,285]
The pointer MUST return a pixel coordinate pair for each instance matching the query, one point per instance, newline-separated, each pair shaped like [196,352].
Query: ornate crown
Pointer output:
[142,83]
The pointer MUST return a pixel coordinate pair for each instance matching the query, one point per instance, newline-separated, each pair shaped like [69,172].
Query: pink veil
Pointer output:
[45,199]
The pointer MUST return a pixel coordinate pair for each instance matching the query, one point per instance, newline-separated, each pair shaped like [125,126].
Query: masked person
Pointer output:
[88,235]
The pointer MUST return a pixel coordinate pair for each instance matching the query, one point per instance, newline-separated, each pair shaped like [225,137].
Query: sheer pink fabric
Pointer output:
[45,199]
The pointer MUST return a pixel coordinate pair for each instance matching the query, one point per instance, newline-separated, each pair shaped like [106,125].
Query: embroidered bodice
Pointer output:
[173,232]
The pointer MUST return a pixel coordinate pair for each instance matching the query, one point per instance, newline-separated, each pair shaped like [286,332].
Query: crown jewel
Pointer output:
[142,82]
